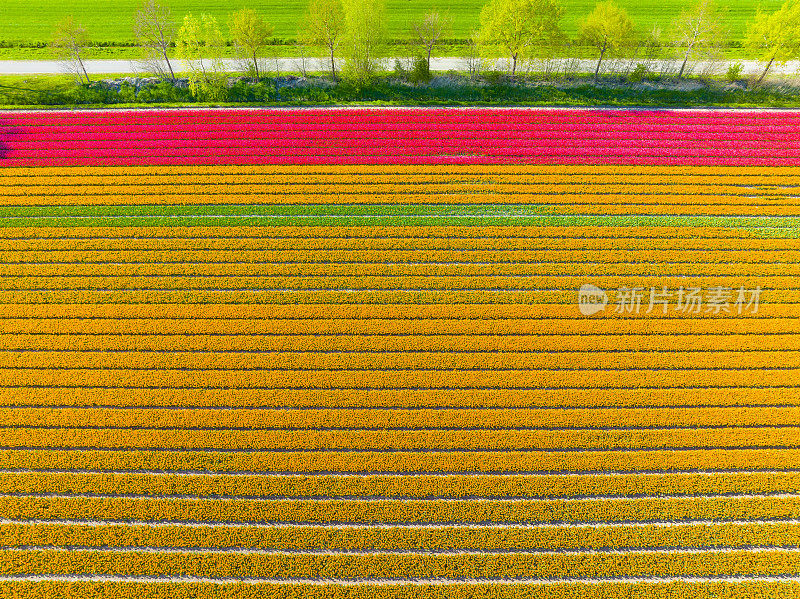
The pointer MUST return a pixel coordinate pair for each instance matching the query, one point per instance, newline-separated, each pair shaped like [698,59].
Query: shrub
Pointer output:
[638,74]
[399,70]
[419,72]
[493,77]
[163,92]
[734,72]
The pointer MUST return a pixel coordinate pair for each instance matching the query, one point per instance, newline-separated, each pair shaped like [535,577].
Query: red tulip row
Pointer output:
[423,136]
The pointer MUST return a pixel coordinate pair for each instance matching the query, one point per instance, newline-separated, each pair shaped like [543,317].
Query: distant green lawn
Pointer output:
[111,20]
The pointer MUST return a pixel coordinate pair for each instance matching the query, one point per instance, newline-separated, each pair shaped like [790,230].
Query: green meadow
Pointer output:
[30,21]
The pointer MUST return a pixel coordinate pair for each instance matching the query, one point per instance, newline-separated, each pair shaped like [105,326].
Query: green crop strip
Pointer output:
[366,215]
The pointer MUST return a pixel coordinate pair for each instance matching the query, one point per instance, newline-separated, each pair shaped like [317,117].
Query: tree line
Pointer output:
[354,33]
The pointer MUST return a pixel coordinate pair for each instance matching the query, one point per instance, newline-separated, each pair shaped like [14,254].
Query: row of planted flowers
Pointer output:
[420,136]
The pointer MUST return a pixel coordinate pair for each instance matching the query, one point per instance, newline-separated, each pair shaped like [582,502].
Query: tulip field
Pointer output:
[400,353]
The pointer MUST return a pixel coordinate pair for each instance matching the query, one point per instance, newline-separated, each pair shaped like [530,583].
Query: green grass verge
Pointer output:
[33,20]
[59,91]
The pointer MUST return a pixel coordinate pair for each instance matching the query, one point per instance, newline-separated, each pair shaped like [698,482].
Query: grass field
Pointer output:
[310,353]
[32,20]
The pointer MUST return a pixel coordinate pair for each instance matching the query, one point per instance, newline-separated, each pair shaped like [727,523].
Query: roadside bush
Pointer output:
[493,77]
[399,70]
[126,94]
[638,74]
[734,72]
[164,92]
[419,72]
[243,91]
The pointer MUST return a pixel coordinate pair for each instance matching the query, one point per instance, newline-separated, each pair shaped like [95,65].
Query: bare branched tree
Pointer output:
[324,26]
[607,28]
[429,30]
[472,56]
[520,28]
[155,32]
[699,31]
[251,34]
[70,39]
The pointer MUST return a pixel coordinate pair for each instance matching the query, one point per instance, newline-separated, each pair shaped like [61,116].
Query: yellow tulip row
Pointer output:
[509,330]
[402,511]
[496,275]
[397,440]
[295,173]
[403,462]
[398,183]
[404,169]
[400,360]
[385,268]
[511,189]
[388,538]
[392,379]
[766,589]
[130,345]
[627,204]
[418,486]
[291,240]
[326,312]
[374,398]
[435,282]
[519,237]
[650,417]
[508,261]
[370,566]
[341,296]
[764,177]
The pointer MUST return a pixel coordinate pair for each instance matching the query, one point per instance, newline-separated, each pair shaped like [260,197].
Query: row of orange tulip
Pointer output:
[480,237]
[458,281]
[628,204]
[376,566]
[598,378]
[489,189]
[399,486]
[360,440]
[391,418]
[744,589]
[366,462]
[613,241]
[134,347]
[459,274]
[365,257]
[409,511]
[331,359]
[403,538]
[394,398]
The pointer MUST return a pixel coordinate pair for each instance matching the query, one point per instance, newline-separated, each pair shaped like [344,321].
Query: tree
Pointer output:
[776,35]
[519,26]
[155,32]
[364,37]
[70,38]
[200,45]
[607,28]
[250,34]
[324,26]
[699,30]
[472,57]
[429,30]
